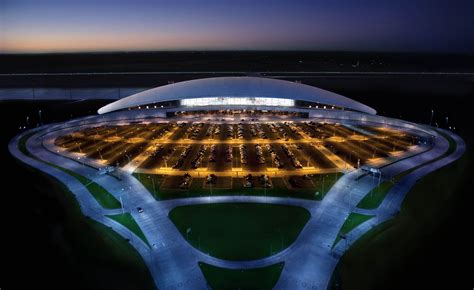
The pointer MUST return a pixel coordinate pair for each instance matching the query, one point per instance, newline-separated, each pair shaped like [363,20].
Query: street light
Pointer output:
[322,186]
[431,119]
[121,203]
[188,231]
[153,182]
[281,235]
[41,119]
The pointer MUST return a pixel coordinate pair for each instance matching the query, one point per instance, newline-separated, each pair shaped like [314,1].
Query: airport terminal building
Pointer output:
[237,94]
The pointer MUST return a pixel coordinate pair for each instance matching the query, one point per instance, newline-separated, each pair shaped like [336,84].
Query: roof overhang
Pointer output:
[254,87]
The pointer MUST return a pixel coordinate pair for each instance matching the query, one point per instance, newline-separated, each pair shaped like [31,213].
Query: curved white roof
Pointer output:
[236,87]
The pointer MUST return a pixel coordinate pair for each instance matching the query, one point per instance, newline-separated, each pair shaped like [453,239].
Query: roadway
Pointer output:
[309,261]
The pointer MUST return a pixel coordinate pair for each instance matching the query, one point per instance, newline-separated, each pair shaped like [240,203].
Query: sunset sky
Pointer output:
[76,26]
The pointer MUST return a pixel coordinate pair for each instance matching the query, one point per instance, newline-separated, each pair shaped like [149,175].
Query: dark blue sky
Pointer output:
[331,25]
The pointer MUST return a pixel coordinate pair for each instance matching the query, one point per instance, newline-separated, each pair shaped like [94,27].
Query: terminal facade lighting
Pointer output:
[247,92]
[238,101]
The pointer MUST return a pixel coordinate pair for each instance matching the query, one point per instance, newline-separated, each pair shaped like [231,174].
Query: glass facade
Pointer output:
[238,101]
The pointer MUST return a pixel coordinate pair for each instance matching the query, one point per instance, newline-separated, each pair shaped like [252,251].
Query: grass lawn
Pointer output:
[103,197]
[352,221]
[240,231]
[127,221]
[22,144]
[257,278]
[421,232]
[375,197]
[452,143]
[153,182]
[96,256]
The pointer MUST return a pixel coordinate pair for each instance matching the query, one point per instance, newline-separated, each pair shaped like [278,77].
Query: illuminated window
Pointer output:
[237,101]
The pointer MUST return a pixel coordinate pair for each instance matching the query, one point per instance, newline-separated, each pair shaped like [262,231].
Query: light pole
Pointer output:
[153,182]
[281,235]
[121,203]
[322,186]
[41,118]
[210,186]
[431,119]
[81,160]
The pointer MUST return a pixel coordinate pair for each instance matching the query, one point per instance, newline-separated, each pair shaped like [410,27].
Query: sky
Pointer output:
[28,26]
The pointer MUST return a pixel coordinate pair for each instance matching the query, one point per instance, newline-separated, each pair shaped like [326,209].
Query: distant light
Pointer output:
[147,107]
[324,107]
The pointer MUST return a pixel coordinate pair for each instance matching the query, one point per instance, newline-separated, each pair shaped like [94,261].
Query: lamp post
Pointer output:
[121,203]
[41,118]
[188,231]
[281,235]
[322,186]
[431,119]
[153,182]
[210,183]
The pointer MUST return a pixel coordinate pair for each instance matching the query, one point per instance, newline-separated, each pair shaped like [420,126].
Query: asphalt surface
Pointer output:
[173,263]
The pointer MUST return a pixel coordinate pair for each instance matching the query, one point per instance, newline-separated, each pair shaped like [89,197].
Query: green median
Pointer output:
[352,221]
[103,197]
[129,222]
[240,231]
[375,197]
[255,278]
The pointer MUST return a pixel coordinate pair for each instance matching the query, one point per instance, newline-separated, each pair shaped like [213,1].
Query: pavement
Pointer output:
[173,262]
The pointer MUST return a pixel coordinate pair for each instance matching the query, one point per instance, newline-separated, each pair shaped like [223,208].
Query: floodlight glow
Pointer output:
[237,101]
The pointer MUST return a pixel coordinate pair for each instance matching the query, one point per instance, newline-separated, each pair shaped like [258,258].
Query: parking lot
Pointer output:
[245,150]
